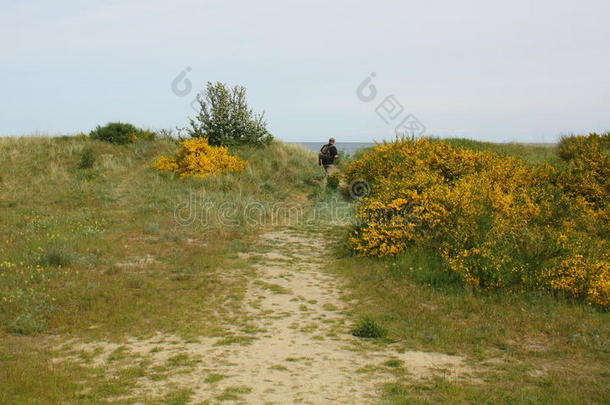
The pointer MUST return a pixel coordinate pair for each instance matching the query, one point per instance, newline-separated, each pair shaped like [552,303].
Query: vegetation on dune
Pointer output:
[96,244]
[494,220]
[198,159]
[79,212]
[225,118]
[120,133]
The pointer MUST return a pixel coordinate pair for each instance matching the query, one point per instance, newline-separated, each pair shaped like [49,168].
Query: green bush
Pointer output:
[571,147]
[87,159]
[367,327]
[225,118]
[332,181]
[587,170]
[55,257]
[120,133]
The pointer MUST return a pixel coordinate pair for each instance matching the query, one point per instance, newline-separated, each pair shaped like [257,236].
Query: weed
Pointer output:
[332,181]
[178,397]
[367,327]
[278,367]
[181,360]
[275,288]
[234,340]
[28,323]
[87,159]
[55,257]
[213,378]
[233,393]
[394,363]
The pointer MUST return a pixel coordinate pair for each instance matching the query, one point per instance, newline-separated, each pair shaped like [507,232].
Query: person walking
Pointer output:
[327,156]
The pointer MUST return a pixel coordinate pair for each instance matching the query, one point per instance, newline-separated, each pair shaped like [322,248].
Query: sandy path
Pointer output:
[293,345]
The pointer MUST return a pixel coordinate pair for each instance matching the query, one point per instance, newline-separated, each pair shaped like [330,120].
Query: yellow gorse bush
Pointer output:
[493,219]
[199,159]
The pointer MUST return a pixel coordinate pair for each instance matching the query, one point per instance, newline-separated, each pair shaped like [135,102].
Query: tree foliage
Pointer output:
[225,118]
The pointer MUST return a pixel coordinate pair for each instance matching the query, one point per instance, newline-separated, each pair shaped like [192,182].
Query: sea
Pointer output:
[343,147]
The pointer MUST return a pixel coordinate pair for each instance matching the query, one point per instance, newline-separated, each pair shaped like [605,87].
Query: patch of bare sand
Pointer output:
[294,346]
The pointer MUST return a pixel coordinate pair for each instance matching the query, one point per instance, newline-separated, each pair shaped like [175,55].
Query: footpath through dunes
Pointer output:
[291,344]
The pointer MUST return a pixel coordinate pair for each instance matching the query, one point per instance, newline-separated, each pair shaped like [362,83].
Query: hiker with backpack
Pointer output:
[327,156]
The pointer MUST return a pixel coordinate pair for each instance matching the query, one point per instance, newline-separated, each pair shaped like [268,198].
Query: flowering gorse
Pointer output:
[199,159]
[494,220]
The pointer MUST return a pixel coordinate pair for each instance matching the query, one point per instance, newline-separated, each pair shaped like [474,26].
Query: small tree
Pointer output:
[225,119]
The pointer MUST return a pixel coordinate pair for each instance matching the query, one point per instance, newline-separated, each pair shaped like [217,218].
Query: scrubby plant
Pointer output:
[367,327]
[225,118]
[28,323]
[120,133]
[332,181]
[87,159]
[199,159]
[55,257]
[578,146]
[587,173]
[494,220]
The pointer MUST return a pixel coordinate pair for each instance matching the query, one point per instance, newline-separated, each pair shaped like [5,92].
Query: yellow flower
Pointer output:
[495,220]
[199,159]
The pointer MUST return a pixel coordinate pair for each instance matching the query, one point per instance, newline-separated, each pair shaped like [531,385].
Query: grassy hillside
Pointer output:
[96,246]
[98,251]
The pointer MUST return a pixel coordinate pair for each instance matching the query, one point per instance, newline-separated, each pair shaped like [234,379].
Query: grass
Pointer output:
[274,288]
[233,393]
[551,350]
[394,363]
[213,378]
[91,249]
[232,340]
[369,328]
[95,246]
[543,349]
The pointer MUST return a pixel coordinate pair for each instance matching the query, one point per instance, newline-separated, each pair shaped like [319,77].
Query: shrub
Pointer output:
[120,133]
[572,147]
[587,173]
[87,159]
[332,181]
[493,220]
[198,159]
[55,258]
[369,328]
[28,324]
[226,120]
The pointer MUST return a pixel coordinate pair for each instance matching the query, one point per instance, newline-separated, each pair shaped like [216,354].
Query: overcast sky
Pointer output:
[500,71]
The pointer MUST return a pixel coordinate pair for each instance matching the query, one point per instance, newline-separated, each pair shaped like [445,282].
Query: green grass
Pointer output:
[369,328]
[91,249]
[529,332]
[233,393]
[213,378]
[274,288]
[552,350]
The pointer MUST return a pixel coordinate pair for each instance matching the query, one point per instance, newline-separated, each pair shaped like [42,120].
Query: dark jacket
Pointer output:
[332,152]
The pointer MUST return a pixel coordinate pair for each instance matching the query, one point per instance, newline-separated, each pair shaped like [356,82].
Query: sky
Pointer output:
[502,71]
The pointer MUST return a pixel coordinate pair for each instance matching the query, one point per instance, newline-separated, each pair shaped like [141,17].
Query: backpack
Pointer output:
[325,152]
